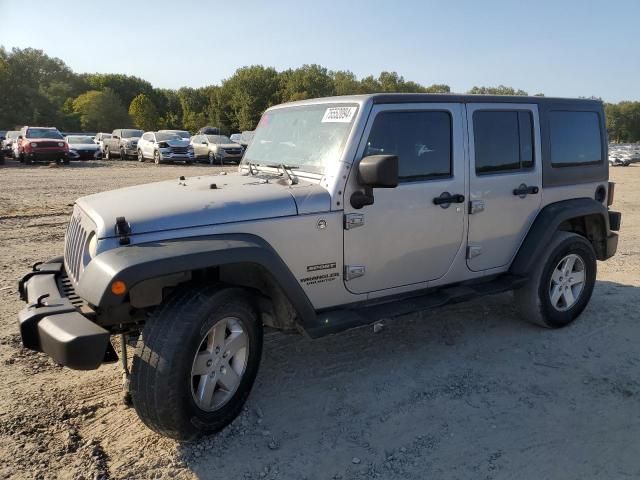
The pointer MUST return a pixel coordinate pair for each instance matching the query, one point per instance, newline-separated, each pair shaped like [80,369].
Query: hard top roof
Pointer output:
[382,98]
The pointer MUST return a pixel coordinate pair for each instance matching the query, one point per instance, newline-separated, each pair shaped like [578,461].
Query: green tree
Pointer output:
[143,113]
[438,88]
[126,87]
[308,81]
[245,96]
[101,111]
[499,90]
[345,83]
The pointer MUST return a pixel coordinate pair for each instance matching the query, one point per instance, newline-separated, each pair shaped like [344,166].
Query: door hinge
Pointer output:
[476,206]
[353,271]
[353,220]
[473,251]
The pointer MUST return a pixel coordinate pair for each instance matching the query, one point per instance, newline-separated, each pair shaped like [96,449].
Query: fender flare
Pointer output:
[139,262]
[547,223]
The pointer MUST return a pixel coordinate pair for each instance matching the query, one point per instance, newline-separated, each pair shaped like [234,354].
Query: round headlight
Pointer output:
[90,249]
[93,245]
[61,144]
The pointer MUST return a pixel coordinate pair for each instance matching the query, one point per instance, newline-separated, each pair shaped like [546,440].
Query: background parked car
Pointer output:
[209,131]
[164,147]
[83,147]
[123,142]
[244,139]
[9,141]
[216,148]
[42,144]
[181,133]
[100,136]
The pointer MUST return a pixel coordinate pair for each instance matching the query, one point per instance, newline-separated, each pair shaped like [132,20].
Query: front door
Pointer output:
[409,235]
[505,181]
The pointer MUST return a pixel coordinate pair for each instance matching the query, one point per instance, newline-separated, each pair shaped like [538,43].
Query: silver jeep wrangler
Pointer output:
[343,211]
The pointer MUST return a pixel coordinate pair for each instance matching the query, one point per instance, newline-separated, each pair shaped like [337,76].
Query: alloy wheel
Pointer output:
[567,282]
[219,364]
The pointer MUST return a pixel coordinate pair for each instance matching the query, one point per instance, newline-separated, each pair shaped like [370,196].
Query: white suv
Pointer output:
[164,147]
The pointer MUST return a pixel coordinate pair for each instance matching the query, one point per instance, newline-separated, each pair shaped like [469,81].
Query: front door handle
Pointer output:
[445,199]
[523,190]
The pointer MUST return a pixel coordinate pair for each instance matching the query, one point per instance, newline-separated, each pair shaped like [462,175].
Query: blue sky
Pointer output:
[561,48]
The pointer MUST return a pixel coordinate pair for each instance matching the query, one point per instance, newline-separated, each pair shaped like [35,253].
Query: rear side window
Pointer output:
[575,138]
[422,141]
[503,141]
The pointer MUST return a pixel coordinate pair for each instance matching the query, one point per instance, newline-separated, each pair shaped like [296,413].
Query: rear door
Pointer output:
[405,238]
[505,181]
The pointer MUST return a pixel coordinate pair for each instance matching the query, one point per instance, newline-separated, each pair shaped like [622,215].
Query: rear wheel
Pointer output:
[196,361]
[560,286]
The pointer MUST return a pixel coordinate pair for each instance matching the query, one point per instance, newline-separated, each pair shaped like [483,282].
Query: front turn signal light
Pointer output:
[118,288]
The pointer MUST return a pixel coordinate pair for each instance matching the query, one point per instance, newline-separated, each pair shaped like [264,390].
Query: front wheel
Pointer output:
[123,155]
[212,158]
[560,286]
[156,158]
[107,154]
[196,361]
[140,156]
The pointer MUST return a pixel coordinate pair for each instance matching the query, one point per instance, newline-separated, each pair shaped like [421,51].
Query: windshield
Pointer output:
[13,134]
[105,135]
[307,137]
[162,137]
[79,139]
[44,133]
[181,133]
[220,139]
[132,133]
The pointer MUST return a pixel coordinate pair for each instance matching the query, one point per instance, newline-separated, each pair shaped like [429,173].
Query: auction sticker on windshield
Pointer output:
[339,114]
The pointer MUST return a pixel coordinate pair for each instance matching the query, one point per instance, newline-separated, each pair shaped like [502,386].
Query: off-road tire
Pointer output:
[161,369]
[533,302]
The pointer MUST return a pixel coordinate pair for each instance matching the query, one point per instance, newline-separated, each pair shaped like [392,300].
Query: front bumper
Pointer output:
[46,155]
[85,154]
[52,321]
[177,157]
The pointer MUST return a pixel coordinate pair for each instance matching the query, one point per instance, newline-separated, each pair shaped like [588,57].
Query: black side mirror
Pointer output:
[375,171]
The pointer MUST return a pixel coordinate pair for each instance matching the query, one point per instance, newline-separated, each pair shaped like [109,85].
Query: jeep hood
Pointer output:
[202,201]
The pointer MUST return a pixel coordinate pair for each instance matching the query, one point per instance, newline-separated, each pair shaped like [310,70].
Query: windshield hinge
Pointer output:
[353,220]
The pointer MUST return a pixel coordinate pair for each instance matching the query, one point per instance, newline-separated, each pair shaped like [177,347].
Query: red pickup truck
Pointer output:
[42,144]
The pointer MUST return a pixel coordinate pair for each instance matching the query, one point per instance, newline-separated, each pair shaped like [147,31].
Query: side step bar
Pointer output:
[337,320]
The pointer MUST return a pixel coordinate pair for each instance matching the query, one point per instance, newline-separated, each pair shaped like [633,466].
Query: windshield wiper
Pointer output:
[287,169]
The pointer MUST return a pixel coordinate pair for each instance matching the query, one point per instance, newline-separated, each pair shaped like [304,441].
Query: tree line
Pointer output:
[38,89]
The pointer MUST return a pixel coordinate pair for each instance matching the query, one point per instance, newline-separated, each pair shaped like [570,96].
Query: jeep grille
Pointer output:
[74,243]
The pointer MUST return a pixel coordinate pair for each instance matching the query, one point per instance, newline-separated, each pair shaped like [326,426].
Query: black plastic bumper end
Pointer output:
[73,341]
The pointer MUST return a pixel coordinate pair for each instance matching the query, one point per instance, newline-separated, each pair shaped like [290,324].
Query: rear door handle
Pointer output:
[523,190]
[445,199]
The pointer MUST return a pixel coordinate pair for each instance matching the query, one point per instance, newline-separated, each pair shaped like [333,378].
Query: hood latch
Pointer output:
[123,229]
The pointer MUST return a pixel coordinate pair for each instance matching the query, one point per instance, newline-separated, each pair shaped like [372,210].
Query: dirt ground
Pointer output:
[467,391]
